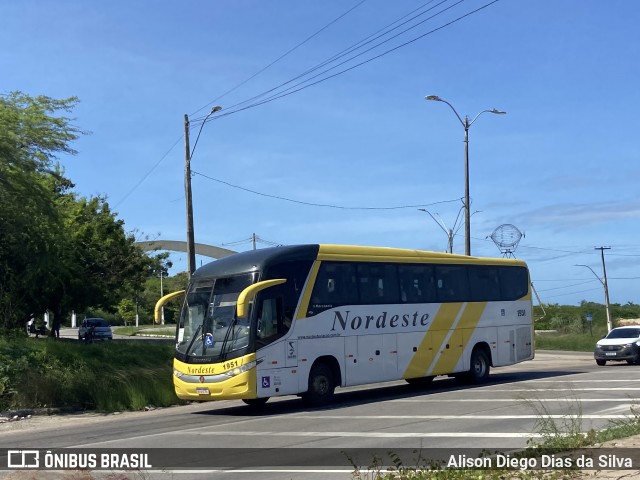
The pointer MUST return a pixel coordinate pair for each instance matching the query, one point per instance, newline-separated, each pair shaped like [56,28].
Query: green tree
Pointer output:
[58,251]
[30,226]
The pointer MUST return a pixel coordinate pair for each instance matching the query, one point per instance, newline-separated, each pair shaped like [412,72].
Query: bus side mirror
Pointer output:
[248,294]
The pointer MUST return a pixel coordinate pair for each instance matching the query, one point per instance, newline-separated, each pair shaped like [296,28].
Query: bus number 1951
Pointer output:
[230,365]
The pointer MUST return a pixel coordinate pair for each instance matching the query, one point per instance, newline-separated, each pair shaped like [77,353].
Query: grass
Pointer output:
[106,376]
[574,342]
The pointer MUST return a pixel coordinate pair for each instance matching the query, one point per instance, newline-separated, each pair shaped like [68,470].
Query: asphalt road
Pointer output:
[72,333]
[498,415]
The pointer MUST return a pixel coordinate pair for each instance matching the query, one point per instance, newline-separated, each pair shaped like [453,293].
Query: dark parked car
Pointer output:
[622,343]
[95,329]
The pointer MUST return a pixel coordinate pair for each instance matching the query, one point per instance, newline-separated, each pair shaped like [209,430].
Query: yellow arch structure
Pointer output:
[157,312]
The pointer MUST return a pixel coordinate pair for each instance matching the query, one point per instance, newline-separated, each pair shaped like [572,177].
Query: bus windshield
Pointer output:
[208,327]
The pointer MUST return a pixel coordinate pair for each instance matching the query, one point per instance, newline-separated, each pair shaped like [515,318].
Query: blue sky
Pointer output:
[562,165]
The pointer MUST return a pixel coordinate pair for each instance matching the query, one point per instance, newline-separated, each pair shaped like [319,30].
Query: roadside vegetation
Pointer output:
[565,327]
[74,376]
[558,439]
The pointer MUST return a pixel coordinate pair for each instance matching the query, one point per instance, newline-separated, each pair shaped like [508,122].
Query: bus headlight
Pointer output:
[238,370]
[177,373]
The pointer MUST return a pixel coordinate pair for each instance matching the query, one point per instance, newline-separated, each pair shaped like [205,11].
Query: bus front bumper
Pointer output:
[214,387]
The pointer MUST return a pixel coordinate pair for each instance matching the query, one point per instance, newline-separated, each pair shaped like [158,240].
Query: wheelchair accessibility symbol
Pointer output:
[266,382]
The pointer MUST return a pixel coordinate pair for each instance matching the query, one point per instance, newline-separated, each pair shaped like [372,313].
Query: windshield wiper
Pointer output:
[226,337]
[195,335]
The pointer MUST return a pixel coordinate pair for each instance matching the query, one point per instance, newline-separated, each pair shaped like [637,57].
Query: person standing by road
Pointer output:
[56,328]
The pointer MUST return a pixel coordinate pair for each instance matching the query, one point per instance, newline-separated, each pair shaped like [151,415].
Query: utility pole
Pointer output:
[466,124]
[606,288]
[191,254]
[253,238]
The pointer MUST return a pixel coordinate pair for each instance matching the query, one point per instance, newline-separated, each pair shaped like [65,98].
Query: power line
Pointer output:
[291,90]
[573,293]
[281,56]
[146,175]
[349,50]
[311,204]
[287,93]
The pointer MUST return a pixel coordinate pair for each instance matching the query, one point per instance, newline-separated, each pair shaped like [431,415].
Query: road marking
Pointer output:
[588,381]
[378,434]
[244,470]
[475,400]
[459,417]
[578,389]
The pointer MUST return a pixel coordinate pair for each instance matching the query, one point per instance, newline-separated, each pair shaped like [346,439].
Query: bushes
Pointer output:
[108,376]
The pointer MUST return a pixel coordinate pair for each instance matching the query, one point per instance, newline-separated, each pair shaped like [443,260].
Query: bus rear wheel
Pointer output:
[321,385]
[255,402]
[479,367]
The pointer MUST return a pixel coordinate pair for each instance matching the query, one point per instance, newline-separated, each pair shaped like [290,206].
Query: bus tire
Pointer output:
[479,367]
[321,385]
[255,402]
[420,382]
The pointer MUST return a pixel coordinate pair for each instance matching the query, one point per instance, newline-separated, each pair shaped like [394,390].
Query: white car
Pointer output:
[95,329]
[622,343]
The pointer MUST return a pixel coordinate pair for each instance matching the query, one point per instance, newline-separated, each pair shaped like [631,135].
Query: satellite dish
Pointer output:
[506,237]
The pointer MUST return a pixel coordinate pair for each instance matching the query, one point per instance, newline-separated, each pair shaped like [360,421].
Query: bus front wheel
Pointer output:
[321,385]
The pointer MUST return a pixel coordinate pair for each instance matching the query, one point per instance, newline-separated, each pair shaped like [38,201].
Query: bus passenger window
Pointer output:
[378,283]
[417,283]
[453,283]
[335,286]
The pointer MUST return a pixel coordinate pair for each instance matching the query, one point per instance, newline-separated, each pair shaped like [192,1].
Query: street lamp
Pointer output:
[606,291]
[466,124]
[191,252]
[451,232]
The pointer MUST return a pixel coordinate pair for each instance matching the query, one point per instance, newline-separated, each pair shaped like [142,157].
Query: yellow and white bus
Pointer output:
[303,320]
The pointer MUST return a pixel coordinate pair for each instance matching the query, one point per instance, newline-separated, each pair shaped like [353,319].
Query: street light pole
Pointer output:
[466,124]
[188,153]
[604,284]
[606,288]
[451,232]
[191,254]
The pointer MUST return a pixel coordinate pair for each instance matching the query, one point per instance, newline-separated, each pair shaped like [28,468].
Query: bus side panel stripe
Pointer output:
[449,358]
[442,322]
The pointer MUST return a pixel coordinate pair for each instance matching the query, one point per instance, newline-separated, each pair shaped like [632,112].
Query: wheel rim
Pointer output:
[479,366]
[321,385]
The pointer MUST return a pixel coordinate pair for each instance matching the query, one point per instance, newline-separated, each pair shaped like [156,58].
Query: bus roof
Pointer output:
[259,259]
